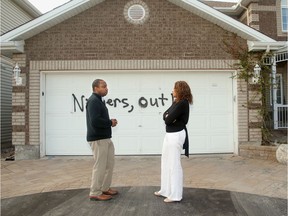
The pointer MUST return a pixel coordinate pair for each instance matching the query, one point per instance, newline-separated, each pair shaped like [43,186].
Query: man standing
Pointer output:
[99,135]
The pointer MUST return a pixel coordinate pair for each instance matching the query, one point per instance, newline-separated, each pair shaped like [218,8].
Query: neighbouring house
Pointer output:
[13,14]
[140,47]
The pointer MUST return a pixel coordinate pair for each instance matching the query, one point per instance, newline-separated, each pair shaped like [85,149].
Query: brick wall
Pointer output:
[19,109]
[267,2]
[243,132]
[265,16]
[102,32]
[258,152]
[249,120]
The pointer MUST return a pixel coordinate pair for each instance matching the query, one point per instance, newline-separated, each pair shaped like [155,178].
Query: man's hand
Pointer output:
[114,122]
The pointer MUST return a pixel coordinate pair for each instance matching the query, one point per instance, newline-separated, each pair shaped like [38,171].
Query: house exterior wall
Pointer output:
[12,16]
[101,38]
[26,137]
[13,13]
[269,22]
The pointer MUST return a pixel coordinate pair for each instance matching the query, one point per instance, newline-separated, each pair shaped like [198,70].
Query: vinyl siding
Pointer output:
[12,16]
[6,103]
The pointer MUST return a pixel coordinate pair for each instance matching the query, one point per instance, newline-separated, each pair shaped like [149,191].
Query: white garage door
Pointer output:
[138,101]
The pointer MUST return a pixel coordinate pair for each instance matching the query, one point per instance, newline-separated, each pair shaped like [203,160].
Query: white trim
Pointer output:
[42,112]
[235,114]
[28,7]
[279,79]
[268,46]
[280,87]
[55,65]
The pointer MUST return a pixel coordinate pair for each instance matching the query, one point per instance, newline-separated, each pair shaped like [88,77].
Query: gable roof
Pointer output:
[75,7]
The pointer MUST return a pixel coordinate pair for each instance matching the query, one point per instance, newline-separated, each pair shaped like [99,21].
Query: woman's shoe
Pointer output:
[157,193]
[169,201]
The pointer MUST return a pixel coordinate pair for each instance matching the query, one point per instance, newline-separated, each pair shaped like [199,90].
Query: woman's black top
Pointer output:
[176,117]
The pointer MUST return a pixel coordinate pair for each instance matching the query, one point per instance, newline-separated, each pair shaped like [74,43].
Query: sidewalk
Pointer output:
[223,172]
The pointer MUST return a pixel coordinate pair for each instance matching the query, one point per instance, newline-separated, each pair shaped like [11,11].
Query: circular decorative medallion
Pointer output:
[136,12]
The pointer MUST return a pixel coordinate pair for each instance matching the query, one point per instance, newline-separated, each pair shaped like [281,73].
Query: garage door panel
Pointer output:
[150,123]
[66,145]
[66,132]
[151,145]
[121,104]
[126,124]
[52,107]
[198,143]
[198,123]
[220,103]
[151,84]
[221,122]
[123,85]
[127,145]
[68,123]
[220,143]
[138,101]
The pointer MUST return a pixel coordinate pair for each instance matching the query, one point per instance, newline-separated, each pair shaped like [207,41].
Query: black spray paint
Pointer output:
[124,103]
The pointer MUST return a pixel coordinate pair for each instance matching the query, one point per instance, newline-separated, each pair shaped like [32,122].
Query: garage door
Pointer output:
[138,101]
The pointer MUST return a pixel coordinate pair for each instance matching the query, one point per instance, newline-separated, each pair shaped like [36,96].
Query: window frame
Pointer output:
[283,6]
[279,80]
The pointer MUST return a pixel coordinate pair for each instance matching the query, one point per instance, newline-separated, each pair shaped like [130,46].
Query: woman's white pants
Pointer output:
[171,168]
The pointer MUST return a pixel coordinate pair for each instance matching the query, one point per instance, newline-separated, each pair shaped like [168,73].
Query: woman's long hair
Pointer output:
[183,91]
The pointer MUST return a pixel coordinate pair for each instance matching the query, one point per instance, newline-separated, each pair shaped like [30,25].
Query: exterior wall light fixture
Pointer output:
[16,74]
[256,74]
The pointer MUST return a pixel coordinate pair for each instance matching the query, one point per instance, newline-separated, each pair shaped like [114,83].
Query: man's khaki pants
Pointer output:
[103,153]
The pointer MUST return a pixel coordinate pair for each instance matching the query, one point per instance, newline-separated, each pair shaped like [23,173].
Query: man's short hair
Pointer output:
[96,83]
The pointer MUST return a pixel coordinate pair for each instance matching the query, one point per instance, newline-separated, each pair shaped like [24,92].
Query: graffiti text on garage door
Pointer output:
[143,102]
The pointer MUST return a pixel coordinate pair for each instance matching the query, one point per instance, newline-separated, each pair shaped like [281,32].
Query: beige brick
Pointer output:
[18,99]
[18,118]
[18,138]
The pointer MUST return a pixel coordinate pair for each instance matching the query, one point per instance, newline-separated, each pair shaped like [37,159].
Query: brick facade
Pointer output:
[102,32]
[262,14]
[258,152]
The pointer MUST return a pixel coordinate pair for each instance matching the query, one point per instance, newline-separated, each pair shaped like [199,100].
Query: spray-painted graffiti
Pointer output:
[143,102]
[115,102]
[124,103]
[80,105]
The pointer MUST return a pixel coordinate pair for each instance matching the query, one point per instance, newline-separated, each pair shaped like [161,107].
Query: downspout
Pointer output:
[274,91]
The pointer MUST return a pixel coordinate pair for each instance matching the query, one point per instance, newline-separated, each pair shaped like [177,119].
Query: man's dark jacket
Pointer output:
[97,119]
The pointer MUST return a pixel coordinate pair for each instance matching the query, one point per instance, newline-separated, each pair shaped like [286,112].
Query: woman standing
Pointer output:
[176,139]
